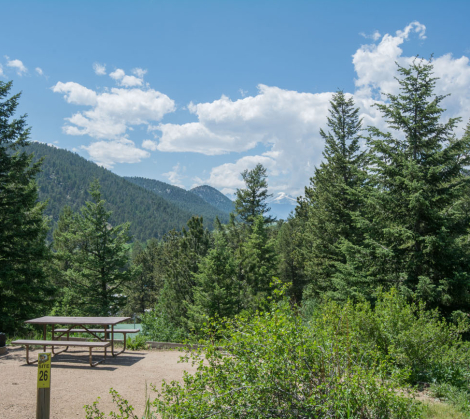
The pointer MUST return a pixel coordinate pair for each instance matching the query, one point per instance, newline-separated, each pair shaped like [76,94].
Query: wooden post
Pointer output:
[43,406]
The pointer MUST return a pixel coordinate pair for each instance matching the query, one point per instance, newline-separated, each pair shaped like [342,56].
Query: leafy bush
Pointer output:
[136,343]
[412,338]
[157,326]
[274,366]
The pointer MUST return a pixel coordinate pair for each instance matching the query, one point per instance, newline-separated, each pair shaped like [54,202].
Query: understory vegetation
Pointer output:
[357,301]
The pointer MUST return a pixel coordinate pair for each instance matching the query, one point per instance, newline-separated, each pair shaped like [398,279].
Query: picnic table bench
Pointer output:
[53,343]
[77,325]
[62,332]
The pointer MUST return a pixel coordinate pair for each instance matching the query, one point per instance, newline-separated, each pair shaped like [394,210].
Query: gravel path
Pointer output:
[74,383]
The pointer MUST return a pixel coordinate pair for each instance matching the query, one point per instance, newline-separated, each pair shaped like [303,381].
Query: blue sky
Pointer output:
[195,92]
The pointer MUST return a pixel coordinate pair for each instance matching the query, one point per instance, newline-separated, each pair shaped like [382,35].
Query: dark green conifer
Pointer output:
[331,199]
[417,180]
[25,290]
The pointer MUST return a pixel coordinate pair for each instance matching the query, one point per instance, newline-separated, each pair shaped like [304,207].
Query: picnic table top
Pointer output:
[102,321]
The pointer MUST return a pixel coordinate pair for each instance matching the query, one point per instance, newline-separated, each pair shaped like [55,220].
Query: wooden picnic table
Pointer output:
[83,323]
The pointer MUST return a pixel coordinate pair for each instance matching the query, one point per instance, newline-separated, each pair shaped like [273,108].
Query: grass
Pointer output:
[438,410]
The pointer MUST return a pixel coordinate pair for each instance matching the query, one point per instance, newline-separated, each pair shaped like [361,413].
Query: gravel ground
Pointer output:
[74,383]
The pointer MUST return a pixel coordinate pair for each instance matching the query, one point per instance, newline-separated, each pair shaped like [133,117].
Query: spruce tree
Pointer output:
[417,180]
[25,290]
[251,201]
[259,263]
[331,199]
[218,291]
[94,256]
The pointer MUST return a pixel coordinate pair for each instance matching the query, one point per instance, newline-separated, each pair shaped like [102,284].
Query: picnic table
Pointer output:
[78,325]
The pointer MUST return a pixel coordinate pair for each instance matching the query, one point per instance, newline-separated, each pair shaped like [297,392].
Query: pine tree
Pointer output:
[25,290]
[417,181]
[259,263]
[251,201]
[94,256]
[217,292]
[331,199]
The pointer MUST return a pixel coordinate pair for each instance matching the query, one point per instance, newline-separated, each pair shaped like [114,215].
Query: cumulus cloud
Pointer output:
[128,81]
[18,66]
[113,113]
[108,153]
[287,122]
[149,145]
[39,71]
[1,71]
[175,176]
[100,69]
[374,36]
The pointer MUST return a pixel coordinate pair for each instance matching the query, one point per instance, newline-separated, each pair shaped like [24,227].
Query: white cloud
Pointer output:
[76,93]
[174,176]
[149,145]
[374,36]
[39,71]
[108,153]
[113,113]
[287,122]
[100,69]
[18,66]
[128,81]
[1,71]
[227,177]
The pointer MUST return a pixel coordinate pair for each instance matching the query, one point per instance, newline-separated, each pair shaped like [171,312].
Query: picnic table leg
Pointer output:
[94,364]
[27,356]
[112,339]
[44,336]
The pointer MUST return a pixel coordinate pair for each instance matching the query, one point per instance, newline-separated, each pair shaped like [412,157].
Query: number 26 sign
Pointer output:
[44,370]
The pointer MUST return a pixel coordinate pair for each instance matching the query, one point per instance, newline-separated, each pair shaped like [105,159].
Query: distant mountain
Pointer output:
[214,197]
[185,200]
[281,205]
[65,179]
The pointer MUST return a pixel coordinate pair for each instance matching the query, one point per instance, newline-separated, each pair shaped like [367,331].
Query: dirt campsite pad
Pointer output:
[74,383]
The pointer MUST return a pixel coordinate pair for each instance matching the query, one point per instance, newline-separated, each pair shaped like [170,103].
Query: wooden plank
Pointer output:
[97,330]
[61,343]
[100,321]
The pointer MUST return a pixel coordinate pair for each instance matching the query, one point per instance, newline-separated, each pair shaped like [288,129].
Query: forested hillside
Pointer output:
[214,197]
[185,200]
[65,178]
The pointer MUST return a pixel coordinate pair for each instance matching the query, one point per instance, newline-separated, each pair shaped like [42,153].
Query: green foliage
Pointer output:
[331,198]
[218,292]
[65,178]
[158,327]
[409,336]
[411,219]
[25,290]
[457,397]
[251,201]
[214,197]
[142,292]
[136,343]
[258,263]
[92,258]
[274,366]
[188,201]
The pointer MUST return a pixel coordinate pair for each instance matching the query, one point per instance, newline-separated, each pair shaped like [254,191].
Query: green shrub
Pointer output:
[158,327]
[412,338]
[274,366]
[136,343]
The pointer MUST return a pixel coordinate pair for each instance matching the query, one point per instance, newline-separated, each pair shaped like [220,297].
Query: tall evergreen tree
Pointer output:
[331,199]
[95,257]
[259,263]
[251,201]
[218,291]
[24,288]
[412,225]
